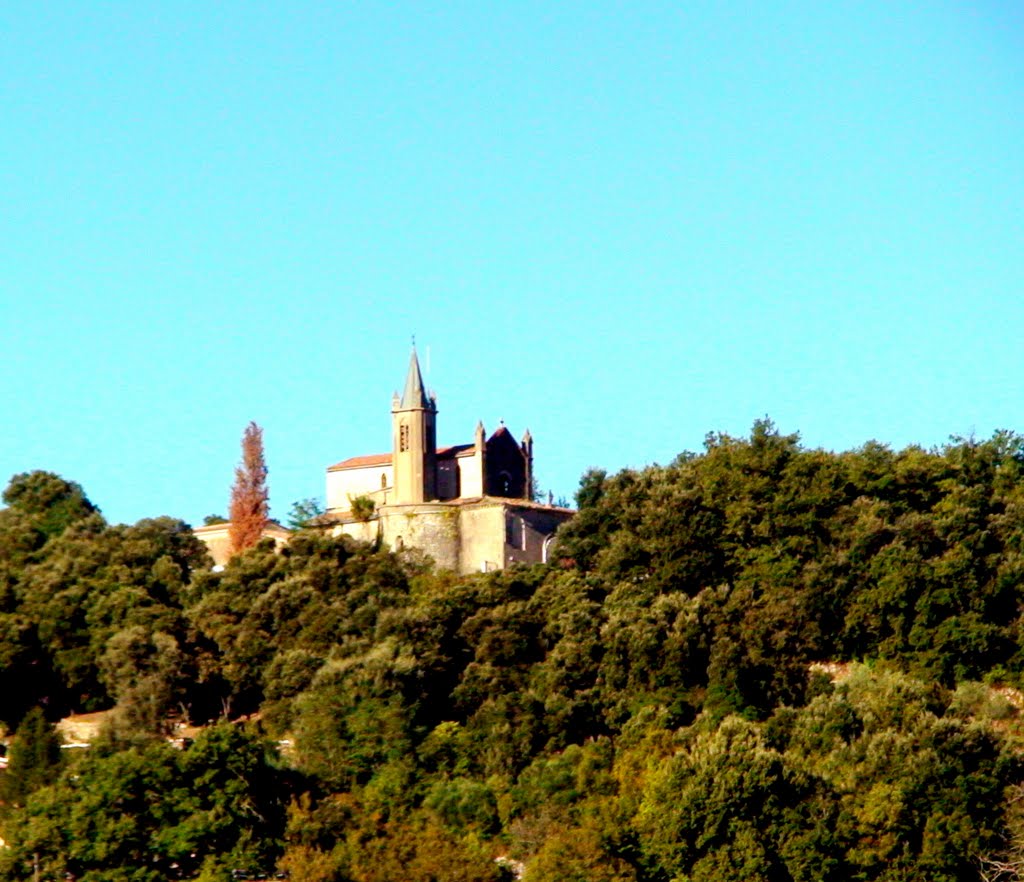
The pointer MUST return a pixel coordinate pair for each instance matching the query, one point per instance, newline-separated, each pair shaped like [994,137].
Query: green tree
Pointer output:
[34,758]
[729,803]
[145,812]
[51,503]
[362,507]
[94,581]
[147,673]
[303,511]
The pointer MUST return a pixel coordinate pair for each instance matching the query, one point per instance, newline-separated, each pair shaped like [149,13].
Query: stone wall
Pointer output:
[482,537]
[431,527]
[465,537]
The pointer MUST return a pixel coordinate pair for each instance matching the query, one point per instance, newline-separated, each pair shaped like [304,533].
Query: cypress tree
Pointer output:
[34,757]
[250,503]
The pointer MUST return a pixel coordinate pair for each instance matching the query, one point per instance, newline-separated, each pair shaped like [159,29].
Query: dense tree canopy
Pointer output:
[757,662]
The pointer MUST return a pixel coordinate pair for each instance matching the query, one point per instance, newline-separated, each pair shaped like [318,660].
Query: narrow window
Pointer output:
[383,481]
[403,438]
[514,532]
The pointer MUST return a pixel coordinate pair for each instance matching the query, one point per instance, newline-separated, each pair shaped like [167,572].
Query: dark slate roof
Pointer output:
[415,395]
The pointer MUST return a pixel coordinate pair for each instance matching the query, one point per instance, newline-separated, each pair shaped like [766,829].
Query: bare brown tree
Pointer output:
[249,498]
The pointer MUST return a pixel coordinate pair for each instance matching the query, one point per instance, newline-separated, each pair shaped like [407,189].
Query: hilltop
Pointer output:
[757,662]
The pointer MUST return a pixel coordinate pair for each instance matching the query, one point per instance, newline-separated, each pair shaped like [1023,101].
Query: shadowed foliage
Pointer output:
[756,662]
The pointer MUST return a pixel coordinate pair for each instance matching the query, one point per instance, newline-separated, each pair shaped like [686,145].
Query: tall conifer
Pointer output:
[34,758]
[249,497]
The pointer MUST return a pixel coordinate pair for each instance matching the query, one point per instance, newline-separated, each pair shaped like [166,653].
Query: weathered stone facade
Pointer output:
[466,536]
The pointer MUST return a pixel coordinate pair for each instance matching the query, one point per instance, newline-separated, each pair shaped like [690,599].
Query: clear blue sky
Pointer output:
[621,225]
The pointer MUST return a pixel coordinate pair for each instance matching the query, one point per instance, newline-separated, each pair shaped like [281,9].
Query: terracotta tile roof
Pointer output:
[271,528]
[355,462]
[383,459]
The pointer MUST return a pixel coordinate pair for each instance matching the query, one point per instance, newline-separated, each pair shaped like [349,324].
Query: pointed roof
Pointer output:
[414,394]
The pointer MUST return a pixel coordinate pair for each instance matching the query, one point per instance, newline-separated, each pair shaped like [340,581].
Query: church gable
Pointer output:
[507,467]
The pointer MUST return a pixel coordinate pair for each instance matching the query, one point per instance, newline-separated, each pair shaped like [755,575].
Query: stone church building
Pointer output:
[469,506]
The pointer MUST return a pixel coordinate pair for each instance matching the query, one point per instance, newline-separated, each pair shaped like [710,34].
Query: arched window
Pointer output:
[383,480]
[403,437]
[504,484]
[546,549]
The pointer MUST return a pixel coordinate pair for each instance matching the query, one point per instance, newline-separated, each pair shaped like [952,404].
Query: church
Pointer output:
[469,506]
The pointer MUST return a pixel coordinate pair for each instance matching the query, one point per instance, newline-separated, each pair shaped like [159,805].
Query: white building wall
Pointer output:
[471,475]
[345,485]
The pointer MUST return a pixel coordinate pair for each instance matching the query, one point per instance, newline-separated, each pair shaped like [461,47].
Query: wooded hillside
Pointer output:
[760,662]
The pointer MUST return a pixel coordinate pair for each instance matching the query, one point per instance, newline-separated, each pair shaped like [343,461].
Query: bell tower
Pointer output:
[414,439]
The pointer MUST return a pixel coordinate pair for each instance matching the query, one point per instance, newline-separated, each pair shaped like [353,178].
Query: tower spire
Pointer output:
[414,439]
[414,395]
